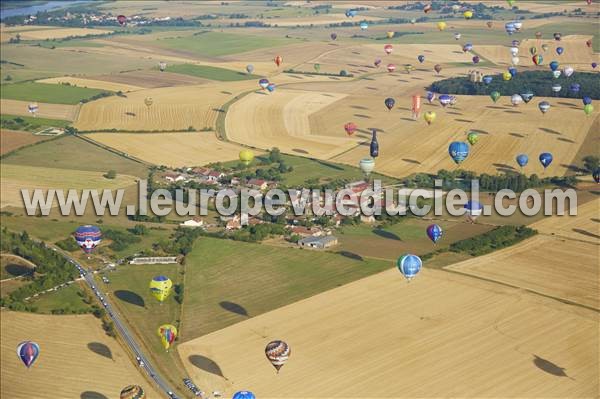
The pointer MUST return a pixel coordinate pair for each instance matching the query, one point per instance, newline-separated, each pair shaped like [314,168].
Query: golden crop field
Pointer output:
[583,227]
[17,177]
[440,335]
[171,149]
[43,34]
[45,110]
[67,366]
[91,83]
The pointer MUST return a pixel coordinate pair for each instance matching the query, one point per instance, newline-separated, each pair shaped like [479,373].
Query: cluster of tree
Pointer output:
[181,242]
[120,239]
[98,96]
[591,163]
[178,290]
[138,230]
[51,268]
[18,123]
[258,232]
[68,244]
[500,237]
[315,183]
[539,82]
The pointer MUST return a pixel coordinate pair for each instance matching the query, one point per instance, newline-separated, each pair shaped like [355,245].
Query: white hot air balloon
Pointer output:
[514,51]
[516,99]
[568,71]
[515,61]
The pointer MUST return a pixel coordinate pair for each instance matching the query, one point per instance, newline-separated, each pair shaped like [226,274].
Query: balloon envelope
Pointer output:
[263,83]
[271,87]
[472,138]
[167,334]
[350,128]
[544,106]
[278,353]
[495,95]
[588,109]
[487,79]
[160,287]
[409,265]
[389,103]
[459,151]
[374,147]
[522,160]
[527,96]
[246,156]
[586,100]
[364,25]
[429,117]
[545,159]
[437,68]
[512,71]
[28,352]
[388,48]
[421,58]
[554,65]
[430,96]
[249,68]
[434,232]
[333,36]
[88,237]
[243,395]
[474,209]
[560,50]
[537,59]
[367,165]
[132,392]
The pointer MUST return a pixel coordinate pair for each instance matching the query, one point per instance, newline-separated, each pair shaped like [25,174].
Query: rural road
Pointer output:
[121,327]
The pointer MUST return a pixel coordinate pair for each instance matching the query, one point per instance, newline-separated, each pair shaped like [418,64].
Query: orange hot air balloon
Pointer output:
[350,128]
[278,60]
[416,106]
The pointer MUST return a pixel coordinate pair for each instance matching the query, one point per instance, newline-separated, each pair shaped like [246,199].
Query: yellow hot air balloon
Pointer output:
[429,117]
[148,101]
[468,14]
[390,34]
[246,156]
[160,287]
[441,25]
[506,76]
[167,334]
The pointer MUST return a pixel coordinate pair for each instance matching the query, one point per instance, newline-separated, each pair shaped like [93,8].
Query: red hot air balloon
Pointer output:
[278,60]
[391,68]
[437,68]
[416,106]
[350,128]
[388,48]
[589,43]
[121,19]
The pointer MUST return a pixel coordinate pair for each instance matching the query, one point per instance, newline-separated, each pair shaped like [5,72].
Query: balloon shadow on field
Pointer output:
[100,349]
[549,367]
[550,131]
[409,119]
[206,364]
[480,131]
[586,233]
[219,110]
[300,151]
[517,135]
[510,111]
[411,161]
[329,165]
[359,107]
[464,120]
[372,88]
[595,220]
[92,395]
[567,104]
[351,255]
[226,92]
[130,297]
[494,107]
[386,234]
[362,116]
[566,140]
[234,308]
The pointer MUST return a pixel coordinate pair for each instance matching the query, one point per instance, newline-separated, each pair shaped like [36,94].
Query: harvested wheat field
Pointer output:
[171,149]
[45,110]
[11,140]
[149,79]
[60,33]
[91,83]
[585,226]
[77,360]
[441,335]
[17,177]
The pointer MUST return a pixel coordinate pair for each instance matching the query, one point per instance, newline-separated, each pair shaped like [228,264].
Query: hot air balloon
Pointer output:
[132,392]
[594,65]
[538,35]
[472,138]
[388,48]
[317,67]
[32,108]
[557,36]
[455,8]
[589,43]
[514,51]
[554,65]
[250,68]
[167,334]
[427,8]
[278,353]
[430,96]
[515,43]
[390,34]
[545,47]
[429,117]
[445,100]
[162,66]
[271,87]
[545,159]
[510,28]
[467,47]
[474,209]
[495,96]
[516,99]
[489,24]
[512,71]
[246,156]
[522,160]
[409,265]
[121,19]
[88,237]
[421,58]
[476,59]
[510,2]
[518,25]
[527,96]
[457,36]
[459,151]
[575,87]
[506,76]
[568,71]
[350,128]
[160,287]
[434,232]
[441,25]
[596,175]
[533,50]
[263,83]
[537,59]
[243,395]
[586,100]
[391,68]
[468,14]
[588,109]
[28,352]
[148,101]
[556,88]
[333,36]
[364,25]
[366,166]
[560,50]
[408,68]
[278,60]
[351,13]
[487,79]
[413,21]
[389,103]
[544,106]
[377,62]
[374,147]
[416,106]
[437,68]
[556,74]
[515,60]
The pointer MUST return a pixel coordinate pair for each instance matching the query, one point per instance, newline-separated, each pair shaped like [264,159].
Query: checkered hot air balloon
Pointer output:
[278,353]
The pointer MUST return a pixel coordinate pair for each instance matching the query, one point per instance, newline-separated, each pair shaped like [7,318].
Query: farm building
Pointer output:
[195,222]
[318,242]
[153,260]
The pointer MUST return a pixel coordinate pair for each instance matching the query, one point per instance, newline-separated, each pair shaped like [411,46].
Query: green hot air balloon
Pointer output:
[588,109]
[495,95]
[317,67]
[472,138]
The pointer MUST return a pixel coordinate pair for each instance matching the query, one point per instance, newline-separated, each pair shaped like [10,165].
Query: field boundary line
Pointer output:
[114,151]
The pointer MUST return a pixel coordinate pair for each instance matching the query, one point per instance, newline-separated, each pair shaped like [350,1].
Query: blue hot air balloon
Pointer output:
[554,65]
[545,159]
[434,232]
[409,265]
[351,13]
[271,87]
[243,395]
[522,160]
[364,25]
[575,87]
[467,47]
[445,100]
[510,28]
[512,71]
[594,65]
[263,83]
[459,151]
[421,58]
[374,148]
[88,237]
[474,209]
[28,352]
[430,96]
[487,79]
[527,96]
[389,103]
[596,175]
[586,100]
[560,50]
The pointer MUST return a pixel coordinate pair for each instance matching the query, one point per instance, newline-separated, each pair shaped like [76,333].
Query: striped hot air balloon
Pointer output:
[88,237]
[409,265]
[167,334]
[132,392]
[278,353]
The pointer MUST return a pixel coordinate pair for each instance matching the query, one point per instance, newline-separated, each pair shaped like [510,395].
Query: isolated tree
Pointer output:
[591,162]
[111,174]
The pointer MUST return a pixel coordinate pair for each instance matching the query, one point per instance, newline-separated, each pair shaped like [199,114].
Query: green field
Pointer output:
[71,152]
[210,72]
[225,280]
[63,298]
[29,123]
[65,43]
[47,93]
[218,43]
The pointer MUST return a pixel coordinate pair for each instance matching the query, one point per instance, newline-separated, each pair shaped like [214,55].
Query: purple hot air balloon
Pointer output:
[28,352]
[377,62]
[594,65]
[476,59]
[434,232]
[333,36]
[430,96]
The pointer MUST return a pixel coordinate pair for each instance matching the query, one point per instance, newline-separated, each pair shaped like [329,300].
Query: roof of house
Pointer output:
[256,182]
[322,240]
